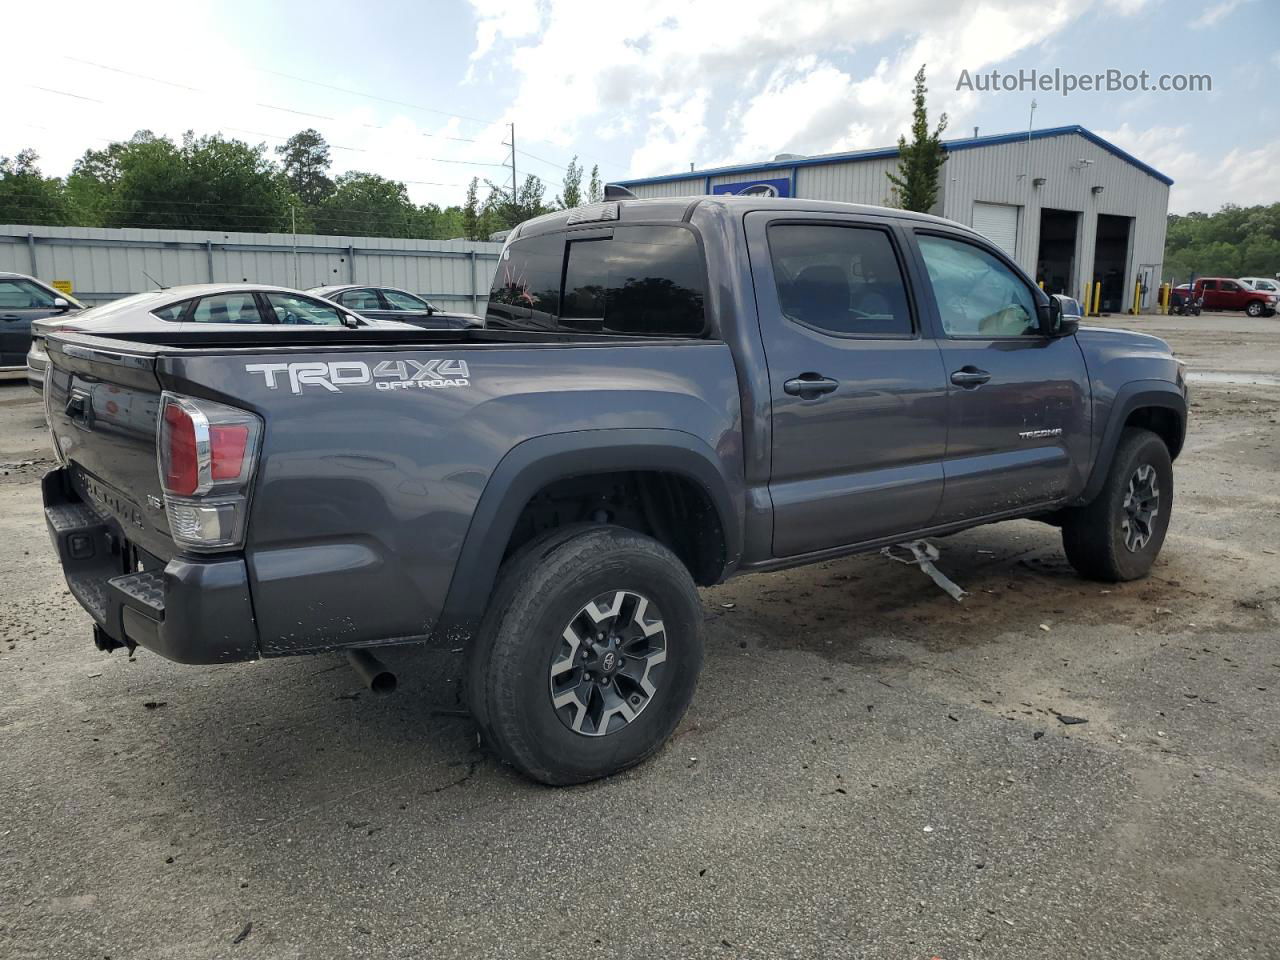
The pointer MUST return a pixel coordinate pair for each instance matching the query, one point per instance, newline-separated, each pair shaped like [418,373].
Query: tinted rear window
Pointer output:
[640,281]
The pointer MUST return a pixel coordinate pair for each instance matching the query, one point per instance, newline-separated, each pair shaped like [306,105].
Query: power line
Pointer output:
[330,86]
[64,93]
[371,96]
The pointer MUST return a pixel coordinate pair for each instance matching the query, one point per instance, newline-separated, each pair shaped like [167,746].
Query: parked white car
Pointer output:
[206,306]
[1263,284]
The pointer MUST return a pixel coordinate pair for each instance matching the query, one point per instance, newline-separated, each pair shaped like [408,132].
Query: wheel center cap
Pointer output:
[609,661]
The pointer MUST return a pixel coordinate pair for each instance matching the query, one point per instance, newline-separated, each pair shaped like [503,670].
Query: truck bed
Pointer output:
[378,447]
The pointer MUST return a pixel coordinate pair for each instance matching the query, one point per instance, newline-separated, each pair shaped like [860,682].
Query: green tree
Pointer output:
[595,191]
[1235,241]
[502,212]
[471,211]
[207,183]
[572,196]
[305,157]
[365,204]
[915,185]
[27,196]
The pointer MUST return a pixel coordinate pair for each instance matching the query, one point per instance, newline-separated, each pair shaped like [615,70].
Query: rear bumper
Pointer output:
[190,611]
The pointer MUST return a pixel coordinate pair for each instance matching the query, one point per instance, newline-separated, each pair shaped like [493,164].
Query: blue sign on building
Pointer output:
[755,188]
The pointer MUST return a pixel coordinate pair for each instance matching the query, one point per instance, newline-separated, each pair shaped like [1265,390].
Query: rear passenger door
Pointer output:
[21,301]
[1018,404]
[856,382]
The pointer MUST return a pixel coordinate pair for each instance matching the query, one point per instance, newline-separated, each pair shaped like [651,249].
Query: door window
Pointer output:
[1230,286]
[173,312]
[24,295]
[841,280]
[360,300]
[399,300]
[294,310]
[977,295]
[237,307]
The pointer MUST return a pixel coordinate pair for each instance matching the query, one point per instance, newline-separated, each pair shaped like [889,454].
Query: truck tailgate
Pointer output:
[102,404]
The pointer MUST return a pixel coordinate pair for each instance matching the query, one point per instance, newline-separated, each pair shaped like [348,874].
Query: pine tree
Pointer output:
[471,211]
[572,196]
[915,185]
[595,192]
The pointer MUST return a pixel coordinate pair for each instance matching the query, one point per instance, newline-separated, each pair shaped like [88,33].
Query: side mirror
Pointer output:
[61,304]
[1064,316]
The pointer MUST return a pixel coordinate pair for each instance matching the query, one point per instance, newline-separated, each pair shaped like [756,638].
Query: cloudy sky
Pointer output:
[421,91]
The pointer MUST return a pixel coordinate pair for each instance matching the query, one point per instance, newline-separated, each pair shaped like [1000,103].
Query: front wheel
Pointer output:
[1254,309]
[1118,535]
[589,656]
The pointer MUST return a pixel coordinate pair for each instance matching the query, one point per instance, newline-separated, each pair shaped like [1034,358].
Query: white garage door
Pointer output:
[998,222]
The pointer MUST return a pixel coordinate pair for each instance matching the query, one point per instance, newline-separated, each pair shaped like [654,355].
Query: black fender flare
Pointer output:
[532,464]
[1133,396]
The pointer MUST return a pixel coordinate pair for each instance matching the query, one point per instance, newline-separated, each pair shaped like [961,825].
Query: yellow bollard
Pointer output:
[1088,291]
[1164,297]
[1137,296]
[1041,284]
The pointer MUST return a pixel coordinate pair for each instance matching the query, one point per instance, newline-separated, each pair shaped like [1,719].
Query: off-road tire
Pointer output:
[1094,536]
[539,592]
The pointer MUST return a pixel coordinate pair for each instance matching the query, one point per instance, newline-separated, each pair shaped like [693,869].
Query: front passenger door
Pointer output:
[1018,401]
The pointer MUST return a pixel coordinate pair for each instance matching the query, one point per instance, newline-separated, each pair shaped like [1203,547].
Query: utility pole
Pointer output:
[293,224]
[515,184]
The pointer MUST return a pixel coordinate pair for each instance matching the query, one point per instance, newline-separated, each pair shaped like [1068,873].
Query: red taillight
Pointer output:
[207,453]
[227,445]
[180,466]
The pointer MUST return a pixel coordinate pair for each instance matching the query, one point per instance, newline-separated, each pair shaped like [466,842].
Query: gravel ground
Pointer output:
[869,769]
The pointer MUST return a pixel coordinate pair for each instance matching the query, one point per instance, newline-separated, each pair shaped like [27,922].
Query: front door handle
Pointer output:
[10,316]
[970,377]
[809,386]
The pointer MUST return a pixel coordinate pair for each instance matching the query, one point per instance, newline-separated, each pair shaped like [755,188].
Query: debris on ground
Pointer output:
[923,553]
[244,933]
[1069,720]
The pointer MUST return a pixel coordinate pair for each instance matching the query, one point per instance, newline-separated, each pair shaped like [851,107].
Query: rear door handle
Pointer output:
[970,377]
[809,386]
[10,316]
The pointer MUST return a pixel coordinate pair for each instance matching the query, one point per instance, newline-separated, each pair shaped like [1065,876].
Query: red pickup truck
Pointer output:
[1223,293]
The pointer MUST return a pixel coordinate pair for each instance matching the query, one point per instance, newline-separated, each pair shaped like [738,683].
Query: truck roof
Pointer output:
[680,209]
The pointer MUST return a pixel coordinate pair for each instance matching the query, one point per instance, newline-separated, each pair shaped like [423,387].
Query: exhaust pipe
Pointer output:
[372,672]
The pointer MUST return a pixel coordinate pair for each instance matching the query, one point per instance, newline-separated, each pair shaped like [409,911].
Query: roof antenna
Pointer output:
[154,280]
[613,191]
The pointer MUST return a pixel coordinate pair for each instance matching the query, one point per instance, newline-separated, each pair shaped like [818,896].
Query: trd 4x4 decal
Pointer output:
[385,375]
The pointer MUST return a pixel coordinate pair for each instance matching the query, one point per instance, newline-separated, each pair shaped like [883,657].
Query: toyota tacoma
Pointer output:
[667,393]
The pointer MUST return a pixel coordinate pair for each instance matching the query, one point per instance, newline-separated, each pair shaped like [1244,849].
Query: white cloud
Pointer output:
[1242,176]
[1216,12]
[575,79]
[503,20]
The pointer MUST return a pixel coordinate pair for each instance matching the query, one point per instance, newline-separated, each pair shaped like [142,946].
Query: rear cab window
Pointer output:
[647,281]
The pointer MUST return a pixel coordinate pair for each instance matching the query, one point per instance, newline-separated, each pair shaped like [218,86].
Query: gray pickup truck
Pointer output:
[668,393]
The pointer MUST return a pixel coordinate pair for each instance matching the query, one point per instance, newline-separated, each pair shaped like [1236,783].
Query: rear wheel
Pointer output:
[1119,534]
[589,655]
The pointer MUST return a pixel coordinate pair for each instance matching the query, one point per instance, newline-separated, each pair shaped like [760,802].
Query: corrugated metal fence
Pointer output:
[103,264]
